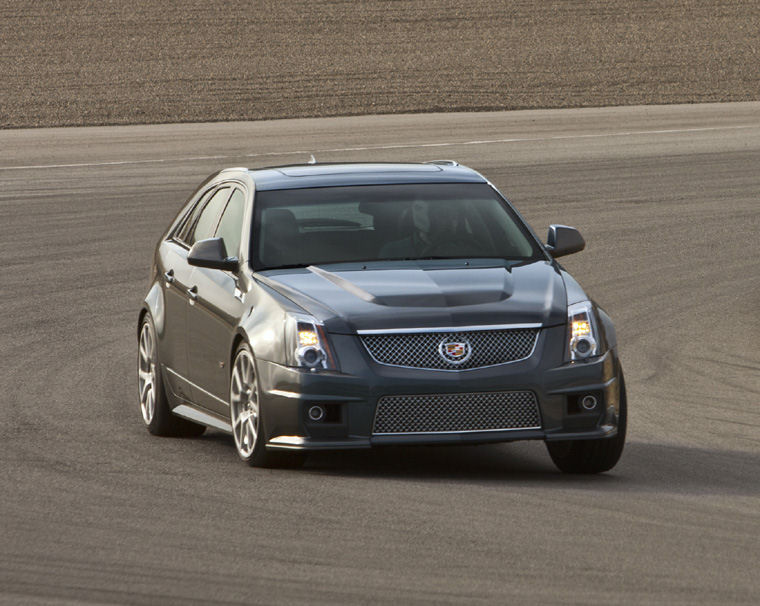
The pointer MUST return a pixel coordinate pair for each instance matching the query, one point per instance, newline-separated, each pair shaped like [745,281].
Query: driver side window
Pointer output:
[205,225]
[188,222]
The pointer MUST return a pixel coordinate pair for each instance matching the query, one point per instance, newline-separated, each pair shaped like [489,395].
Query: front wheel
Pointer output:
[246,416]
[592,456]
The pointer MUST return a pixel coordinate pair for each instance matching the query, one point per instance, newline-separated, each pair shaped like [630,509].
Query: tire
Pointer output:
[246,418]
[154,405]
[593,456]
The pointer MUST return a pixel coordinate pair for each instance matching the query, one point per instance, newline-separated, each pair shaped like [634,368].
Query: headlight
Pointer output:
[307,345]
[582,332]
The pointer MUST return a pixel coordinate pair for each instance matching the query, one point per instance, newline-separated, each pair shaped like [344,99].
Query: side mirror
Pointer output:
[564,240]
[211,253]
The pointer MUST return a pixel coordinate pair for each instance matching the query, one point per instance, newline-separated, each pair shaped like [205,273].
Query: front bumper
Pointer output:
[351,397]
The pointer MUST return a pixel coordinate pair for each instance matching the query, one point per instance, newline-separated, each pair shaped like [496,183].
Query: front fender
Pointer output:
[263,324]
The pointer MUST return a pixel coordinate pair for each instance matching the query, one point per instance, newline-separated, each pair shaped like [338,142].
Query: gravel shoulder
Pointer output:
[87,62]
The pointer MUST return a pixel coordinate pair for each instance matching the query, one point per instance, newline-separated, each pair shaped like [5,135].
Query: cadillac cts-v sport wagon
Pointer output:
[341,306]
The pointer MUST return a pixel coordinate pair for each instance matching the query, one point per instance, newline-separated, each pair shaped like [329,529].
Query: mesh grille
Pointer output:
[457,412]
[426,349]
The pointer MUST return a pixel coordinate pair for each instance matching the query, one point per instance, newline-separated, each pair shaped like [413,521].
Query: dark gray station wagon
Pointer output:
[342,306]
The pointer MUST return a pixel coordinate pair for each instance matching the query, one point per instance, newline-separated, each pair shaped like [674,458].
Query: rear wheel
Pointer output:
[592,456]
[154,406]
[247,419]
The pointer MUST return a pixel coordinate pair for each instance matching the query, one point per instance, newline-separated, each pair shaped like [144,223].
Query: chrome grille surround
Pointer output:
[488,346]
[457,413]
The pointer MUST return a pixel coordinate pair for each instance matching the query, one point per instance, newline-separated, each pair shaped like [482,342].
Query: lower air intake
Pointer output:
[459,412]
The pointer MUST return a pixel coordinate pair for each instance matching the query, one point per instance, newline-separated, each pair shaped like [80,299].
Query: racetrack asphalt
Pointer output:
[95,510]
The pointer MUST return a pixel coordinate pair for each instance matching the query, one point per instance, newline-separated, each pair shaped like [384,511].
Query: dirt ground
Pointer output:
[83,62]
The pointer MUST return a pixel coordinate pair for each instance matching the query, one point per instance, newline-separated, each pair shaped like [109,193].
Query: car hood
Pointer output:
[418,296]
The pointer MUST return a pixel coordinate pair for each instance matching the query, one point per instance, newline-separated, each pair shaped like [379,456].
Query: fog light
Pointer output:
[316,413]
[588,402]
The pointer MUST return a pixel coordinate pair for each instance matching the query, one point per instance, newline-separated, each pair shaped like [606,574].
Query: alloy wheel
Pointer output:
[244,404]
[146,370]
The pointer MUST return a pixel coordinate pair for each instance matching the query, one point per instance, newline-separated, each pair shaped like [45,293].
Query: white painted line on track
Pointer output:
[631,133]
[114,163]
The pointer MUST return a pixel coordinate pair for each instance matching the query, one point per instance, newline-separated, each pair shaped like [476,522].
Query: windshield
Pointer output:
[315,226]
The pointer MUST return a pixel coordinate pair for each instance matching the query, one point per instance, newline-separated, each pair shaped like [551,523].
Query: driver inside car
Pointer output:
[434,232]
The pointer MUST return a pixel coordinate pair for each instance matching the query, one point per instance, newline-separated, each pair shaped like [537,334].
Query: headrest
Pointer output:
[279,217]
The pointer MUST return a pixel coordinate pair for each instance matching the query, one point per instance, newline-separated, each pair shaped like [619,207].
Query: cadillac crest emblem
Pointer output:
[455,351]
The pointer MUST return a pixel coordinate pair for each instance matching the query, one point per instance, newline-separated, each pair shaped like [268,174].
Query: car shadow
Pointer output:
[644,466]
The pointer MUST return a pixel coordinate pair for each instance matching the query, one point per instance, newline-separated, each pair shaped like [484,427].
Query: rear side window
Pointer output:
[231,224]
[208,218]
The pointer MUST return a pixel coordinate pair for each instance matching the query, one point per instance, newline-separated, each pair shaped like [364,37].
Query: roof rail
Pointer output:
[443,162]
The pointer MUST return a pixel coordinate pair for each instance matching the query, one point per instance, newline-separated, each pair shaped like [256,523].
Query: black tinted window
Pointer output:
[231,224]
[205,225]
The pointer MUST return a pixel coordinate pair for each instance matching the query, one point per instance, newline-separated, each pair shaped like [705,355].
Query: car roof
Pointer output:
[298,176]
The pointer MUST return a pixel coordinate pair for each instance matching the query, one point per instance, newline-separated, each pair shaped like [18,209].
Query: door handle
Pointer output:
[169,276]
[193,293]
